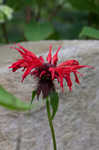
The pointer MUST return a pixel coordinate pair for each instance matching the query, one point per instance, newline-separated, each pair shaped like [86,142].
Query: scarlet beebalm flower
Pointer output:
[46,72]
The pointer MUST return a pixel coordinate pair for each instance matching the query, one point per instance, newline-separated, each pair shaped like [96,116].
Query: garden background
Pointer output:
[35,20]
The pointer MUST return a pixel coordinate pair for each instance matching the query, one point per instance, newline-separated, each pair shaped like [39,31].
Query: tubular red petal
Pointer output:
[69,63]
[68,80]
[80,66]
[35,72]
[76,78]
[41,59]
[29,61]
[42,73]
[55,57]
[24,49]
[64,72]
[26,73]
[27,52]
[20,51]
[49,57]
[52,70]
[29,69]
[17,64]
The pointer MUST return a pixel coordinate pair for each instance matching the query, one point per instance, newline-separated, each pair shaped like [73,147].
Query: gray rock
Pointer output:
[77,120]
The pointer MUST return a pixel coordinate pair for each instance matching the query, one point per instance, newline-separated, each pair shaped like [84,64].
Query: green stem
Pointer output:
[51,123]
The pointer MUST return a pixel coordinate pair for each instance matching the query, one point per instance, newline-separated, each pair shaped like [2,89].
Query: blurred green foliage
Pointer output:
[85,5]
[5,13]
[89,32]
[37,30]
[9,101]
[37,20]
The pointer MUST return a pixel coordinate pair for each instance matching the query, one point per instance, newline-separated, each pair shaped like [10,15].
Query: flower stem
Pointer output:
[51,123]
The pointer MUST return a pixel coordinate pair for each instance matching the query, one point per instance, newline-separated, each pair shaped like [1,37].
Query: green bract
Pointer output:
[54,102]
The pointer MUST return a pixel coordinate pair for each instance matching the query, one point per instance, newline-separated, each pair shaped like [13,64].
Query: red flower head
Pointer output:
[48,71]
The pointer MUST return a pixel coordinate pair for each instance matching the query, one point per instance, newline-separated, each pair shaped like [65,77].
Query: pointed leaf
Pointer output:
[33,96]
[54,102]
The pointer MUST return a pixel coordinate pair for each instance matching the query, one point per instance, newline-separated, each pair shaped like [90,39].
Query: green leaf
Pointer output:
[54,102]
[33,96]
[89,32]
[11,102]
[36,31]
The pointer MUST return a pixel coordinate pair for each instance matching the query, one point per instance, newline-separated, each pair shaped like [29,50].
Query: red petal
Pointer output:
[17,65]
[24,49]
[52,70]
[64,72]
[41,59]
[27,53]
[55,57]
[69,63]
[26,73]
[49,57]
[42,73]
[80,66]
[35,72]
[68,80]
[76,78]
[20,51]
[29,61]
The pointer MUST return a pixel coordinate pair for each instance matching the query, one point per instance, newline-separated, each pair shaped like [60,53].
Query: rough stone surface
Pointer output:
[77,120]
